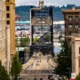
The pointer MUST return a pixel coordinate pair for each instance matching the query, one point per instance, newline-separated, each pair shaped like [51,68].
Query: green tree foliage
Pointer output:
[35,39]
[3,73]
[26,50]
[24,42]
[48,37]
[17,42]
[64,60]
[15,68]
[78,77]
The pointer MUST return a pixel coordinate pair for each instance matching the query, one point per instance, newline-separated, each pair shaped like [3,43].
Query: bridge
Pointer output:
[38,66]
[41,62]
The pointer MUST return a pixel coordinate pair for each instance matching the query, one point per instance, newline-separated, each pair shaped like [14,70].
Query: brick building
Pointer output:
[72,21]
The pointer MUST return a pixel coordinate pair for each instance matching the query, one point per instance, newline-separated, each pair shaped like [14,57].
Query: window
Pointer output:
[70,33]
[37,64]
[7,8]
[69,40]
[7,15]
[70,25]
[79,50]
[76,25]
[76,18]
[7,0]
[79,65]
[34,78]
[76,32]
[41,78]
[70,18]
[7,22]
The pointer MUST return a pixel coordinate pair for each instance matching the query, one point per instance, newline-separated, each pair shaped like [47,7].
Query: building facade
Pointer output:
[7,32]
[76,53]
[72,23]
[3,53]
[10,21]
[41,19]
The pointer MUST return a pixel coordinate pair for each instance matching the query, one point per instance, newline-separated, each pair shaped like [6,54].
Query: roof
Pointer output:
[71,10]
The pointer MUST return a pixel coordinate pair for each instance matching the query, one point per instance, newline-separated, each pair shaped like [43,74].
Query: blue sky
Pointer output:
[48,2]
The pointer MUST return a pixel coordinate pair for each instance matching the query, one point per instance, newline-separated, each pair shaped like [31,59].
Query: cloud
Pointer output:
[34,2]
[47,2]
[26,2]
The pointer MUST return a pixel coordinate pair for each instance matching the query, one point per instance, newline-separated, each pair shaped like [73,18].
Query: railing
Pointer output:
[38,72]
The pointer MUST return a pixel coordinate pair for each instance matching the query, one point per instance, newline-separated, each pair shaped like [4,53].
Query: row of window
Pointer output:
[70,25]
[72,13]
[7,14]
[70,18]
[70,32]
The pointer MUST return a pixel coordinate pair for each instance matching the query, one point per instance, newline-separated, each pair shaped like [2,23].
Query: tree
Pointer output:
[48,37]
[3,73]
[35,39]
[78,77]
[16,68]
[26,50]
[64,60]
[24,42]
[27,41]
[17,42]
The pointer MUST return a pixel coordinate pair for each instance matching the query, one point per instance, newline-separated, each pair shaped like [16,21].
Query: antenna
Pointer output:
[41,3]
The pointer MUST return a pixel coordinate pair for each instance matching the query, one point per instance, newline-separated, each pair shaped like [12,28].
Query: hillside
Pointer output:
[24,12]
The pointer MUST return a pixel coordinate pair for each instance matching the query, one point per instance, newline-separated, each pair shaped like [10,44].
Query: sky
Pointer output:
[47,2]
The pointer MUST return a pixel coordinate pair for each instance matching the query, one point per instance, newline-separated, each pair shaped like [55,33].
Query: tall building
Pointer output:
[76,53]
[7,32]
[10,21]
[3,53]
[72,23]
